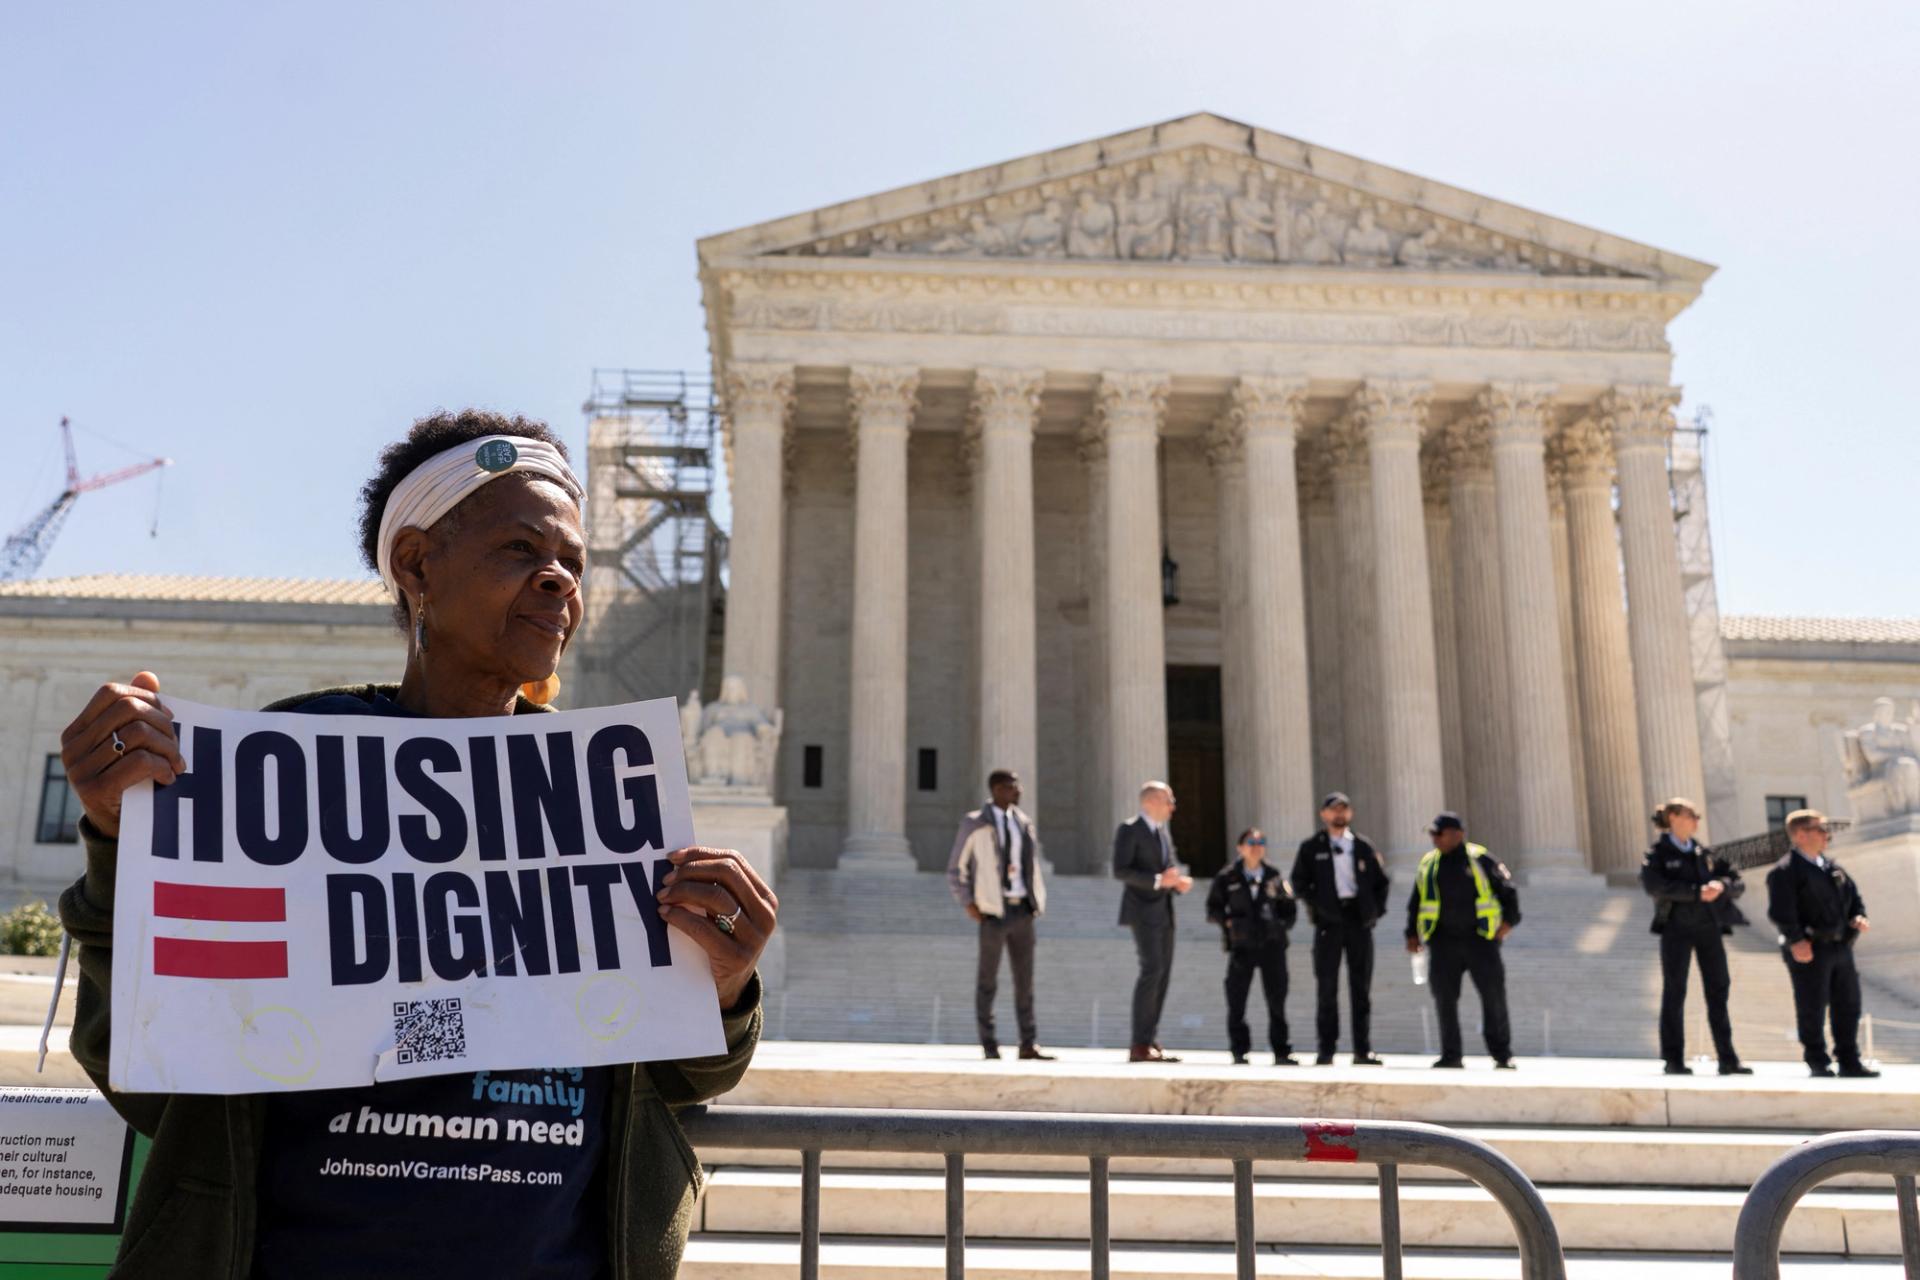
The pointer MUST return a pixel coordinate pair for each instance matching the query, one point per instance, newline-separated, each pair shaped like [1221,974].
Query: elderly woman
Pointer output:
[474,522]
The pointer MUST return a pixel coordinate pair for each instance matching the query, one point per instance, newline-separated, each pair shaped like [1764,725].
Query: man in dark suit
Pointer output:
[995,874]
[1338,875]
[1819,912]
[1143,861]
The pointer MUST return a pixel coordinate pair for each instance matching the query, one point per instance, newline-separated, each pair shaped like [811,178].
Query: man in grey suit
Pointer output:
[1143,861]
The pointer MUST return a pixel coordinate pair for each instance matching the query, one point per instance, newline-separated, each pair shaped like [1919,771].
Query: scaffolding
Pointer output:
[654,552]
[1691,528]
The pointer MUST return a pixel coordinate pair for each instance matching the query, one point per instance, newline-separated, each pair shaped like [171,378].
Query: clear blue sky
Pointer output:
[261,238]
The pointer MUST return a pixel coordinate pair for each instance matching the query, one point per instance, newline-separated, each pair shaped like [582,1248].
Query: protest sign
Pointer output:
[321,901]
[64,1159]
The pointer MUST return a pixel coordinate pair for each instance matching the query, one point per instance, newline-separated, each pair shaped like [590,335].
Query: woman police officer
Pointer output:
[474,522]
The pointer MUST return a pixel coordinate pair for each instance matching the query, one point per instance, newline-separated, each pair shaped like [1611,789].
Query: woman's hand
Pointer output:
[706,884]
[98,773]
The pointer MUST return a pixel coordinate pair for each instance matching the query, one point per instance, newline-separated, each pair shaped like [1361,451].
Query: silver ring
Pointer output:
[725,923]
[119,747]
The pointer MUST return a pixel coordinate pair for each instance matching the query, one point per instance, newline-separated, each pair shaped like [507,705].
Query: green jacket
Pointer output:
[193,1215]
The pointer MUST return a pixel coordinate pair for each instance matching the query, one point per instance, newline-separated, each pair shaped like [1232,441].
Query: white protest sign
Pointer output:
[322,901]
[63,1160]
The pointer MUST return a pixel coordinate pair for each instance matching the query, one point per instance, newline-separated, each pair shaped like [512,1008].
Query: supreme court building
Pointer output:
[1202,453]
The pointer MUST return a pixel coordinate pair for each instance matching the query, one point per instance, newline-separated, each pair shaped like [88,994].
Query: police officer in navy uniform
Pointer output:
[1819,912]
[1253,905]
[1462,908]
[1693,892]
[1338,875]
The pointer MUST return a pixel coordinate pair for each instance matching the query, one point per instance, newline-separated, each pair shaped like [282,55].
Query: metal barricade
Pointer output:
[1756,1236]
[1101,1138]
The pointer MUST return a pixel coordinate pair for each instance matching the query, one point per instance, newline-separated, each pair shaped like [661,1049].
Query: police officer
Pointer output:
[1818,910]
[1693,893]
[1337,874]
[1462,907]
[1254,907]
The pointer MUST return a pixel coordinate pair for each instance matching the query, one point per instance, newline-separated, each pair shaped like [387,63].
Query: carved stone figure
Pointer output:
[979,236]
[1203,220]
[1041,231]
[1422,250]
[738,742]
[1146,224]
[1091,234]
[1259,232]
[1311,244]
[1367,244]
[1882,763]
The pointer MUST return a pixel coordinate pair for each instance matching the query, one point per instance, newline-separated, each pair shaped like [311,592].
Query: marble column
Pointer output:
[1127,413]
[1480,629]
[1543,827]
[1226,454]
[1393,413]
[1005,404]
[1268,413]
[1616,810]
[759,399]
[1320,533]
[1446,647]
[882,400]
[1358,651]
[1640,421]
[1569,664]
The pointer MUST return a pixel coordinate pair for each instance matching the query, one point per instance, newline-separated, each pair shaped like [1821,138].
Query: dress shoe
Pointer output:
[1678,1069]
[1324,1060]
[1448,1064]
[1735,1068]
[1149,1053]
[991,1051]
[1239,1059]
[1367,1060]
[1858,1071]
[1505,1064]
[1820,1072]
[1285,1060]
[1031,1053]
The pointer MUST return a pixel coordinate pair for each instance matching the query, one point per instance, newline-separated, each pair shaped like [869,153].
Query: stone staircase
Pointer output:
[891,958]
[1644,1174]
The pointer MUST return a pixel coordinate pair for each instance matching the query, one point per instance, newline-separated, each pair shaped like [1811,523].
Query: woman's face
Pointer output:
[1682,824]
[503,579]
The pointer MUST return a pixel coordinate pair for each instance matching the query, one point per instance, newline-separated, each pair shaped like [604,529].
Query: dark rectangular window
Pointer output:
[812,764]
[59,806]
[929,769]
[1778,807]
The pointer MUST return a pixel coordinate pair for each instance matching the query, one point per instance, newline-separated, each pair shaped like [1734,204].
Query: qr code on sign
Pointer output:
[428,1031]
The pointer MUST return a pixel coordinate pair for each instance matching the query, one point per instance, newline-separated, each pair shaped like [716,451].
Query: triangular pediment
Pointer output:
[1206,191]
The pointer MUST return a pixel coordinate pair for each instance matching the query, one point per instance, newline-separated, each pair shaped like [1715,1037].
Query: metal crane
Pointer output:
[27,548]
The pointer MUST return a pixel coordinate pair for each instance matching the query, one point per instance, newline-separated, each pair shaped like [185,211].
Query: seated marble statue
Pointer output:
[1367,244]
[735,743]
[1040,233]
[1091,233]
[1147,221]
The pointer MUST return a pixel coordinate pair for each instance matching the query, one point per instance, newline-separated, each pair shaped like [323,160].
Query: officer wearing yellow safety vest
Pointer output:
[1462,907]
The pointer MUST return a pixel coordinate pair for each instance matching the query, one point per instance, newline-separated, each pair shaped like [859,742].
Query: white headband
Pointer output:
[437,485]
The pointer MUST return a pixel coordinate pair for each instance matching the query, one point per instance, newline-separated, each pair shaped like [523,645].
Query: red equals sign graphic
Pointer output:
[212,958]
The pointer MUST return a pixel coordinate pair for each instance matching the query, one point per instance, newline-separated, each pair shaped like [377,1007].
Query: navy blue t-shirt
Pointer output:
[478,1174]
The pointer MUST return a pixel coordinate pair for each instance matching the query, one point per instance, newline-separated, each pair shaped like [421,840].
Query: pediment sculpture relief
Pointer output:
[1205,211]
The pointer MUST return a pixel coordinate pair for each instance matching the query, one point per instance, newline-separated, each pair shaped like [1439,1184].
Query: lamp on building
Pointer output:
[1169,577]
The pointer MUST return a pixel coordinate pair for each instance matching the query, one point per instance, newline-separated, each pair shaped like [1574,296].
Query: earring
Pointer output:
[420,625]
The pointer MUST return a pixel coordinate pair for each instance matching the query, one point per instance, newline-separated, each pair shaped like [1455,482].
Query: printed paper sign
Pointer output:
[321,901]
[63,1161]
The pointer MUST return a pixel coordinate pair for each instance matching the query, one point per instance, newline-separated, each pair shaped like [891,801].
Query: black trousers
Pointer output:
[1449,959]
[1828,985]
[1680,946]
[1153,942]
[1270,962]
[1346,937]
[1014,933]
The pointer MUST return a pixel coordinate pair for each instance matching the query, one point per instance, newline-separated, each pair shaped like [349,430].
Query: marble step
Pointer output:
[1618,1157]
[1291,1211]
[741,1257]
[1579,1092]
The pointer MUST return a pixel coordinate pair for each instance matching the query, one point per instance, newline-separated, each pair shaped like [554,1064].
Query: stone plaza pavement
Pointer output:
[1644,1174]
[892,958]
